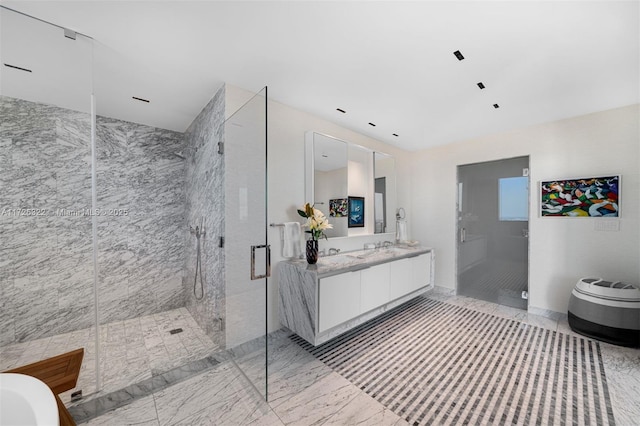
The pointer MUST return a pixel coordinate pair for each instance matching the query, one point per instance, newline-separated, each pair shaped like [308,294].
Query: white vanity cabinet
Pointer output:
[421,268]
[411,274]
[320,302]
[401,278]
[339,299]
[374,287]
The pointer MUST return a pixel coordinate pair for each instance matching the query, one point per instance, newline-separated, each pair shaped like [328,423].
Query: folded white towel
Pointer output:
[401,230]
[291,240]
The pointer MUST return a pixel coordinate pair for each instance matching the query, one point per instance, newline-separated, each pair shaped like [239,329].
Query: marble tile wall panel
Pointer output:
[46,265]
[298,300]
[140,254]
[205,199]
[45,165]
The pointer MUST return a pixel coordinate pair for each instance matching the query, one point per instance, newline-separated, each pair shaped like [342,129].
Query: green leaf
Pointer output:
[302,213]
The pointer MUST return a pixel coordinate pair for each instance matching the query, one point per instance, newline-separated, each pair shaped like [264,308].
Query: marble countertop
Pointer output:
[356,260]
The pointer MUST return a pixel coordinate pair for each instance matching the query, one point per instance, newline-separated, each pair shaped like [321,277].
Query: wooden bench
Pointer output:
[60,373]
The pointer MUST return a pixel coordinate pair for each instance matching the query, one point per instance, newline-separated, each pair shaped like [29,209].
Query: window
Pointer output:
[513,198]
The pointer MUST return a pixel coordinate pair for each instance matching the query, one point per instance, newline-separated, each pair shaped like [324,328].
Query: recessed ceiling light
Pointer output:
[496,106]
[395,134]
[341,110]
[458,55]
[70,34]
[17,68]
[140,99]
[481,85]
[371,124]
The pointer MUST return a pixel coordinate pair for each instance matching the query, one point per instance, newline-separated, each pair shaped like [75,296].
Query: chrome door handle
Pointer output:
[253,262]
[463,234]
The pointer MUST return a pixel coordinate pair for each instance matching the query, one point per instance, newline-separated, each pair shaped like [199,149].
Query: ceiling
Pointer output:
[388,63]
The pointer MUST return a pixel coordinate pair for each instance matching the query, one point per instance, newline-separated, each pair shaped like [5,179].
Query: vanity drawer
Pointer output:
[374,287]
[339,299]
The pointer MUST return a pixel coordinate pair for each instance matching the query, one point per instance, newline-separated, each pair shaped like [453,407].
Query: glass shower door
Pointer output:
[247,259]
[47,275]
[492,215]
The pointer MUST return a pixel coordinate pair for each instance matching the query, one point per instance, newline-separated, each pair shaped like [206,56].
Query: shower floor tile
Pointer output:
[130,351]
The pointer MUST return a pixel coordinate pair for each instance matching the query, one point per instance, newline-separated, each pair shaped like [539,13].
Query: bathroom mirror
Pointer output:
[330,177]
[385,202]
[340,176]
[360,187]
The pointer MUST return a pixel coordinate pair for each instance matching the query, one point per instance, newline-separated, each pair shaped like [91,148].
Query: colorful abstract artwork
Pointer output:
[589,197]
[356,212]
[338,207]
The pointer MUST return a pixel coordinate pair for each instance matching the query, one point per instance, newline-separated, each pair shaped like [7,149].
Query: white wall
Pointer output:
[561,250]
[286,135]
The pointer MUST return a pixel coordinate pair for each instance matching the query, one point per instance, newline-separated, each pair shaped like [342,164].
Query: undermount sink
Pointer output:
[26,400]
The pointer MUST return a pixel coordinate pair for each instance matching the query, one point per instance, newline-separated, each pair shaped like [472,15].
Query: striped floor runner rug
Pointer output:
[435,363]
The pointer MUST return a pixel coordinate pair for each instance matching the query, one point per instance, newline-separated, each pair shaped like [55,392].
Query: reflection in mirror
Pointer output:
[330,182]
[385,193]
[360,184]
[336,170]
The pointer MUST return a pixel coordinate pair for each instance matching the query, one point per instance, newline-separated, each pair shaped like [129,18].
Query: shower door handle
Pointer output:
[463,234]
[253,262]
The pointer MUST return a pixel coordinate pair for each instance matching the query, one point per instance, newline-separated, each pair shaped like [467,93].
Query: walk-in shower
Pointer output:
[94,250]
[493,231]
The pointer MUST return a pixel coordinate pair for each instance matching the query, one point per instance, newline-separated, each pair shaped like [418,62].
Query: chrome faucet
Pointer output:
[387,244]
[333,251]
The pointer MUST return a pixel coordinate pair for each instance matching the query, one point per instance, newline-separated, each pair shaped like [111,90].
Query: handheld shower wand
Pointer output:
[198,232]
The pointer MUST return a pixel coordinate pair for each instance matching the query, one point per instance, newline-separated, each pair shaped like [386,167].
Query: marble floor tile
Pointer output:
[474,304]
[220,396]
[365,411]
[292,370]
[441,295]
[302,389]
[263,416]
[541,321]
[508,312]
[130,350]
[141,412]
[622,369]
[317,403]
[525,317]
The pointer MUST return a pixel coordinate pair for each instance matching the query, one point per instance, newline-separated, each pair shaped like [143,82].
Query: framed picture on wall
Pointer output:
[356,212]
[584,197]
[338,207]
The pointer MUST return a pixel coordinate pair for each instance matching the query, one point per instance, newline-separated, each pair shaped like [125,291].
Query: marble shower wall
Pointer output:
[46,267]
[45,258]
[205,200]
[141,254]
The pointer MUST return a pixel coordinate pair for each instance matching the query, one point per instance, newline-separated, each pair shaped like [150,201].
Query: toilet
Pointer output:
[606,310]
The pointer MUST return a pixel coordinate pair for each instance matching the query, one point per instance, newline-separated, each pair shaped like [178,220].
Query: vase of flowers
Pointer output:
[312,252]
[317,223]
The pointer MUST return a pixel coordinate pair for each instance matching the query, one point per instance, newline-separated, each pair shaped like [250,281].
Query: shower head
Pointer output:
[179,154]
